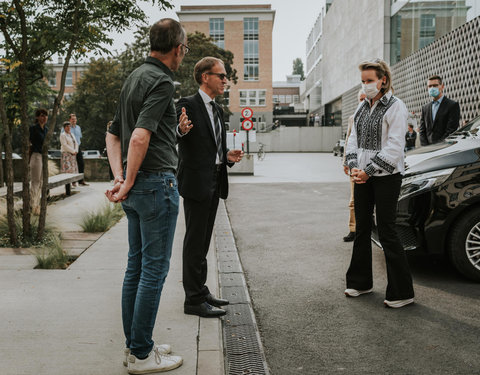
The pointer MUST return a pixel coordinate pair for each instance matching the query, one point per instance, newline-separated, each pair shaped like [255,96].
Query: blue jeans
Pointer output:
[152,210]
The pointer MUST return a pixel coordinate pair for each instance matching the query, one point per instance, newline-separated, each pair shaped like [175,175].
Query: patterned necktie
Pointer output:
[218,131]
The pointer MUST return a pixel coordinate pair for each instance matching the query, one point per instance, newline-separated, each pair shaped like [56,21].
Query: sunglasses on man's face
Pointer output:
[222,76]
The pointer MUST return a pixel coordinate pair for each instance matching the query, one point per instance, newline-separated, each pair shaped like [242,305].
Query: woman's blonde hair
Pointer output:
[382,70]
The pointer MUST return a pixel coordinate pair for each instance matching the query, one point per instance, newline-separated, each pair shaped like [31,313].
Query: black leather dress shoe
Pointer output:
[214,301]
[349,237]
[204,310]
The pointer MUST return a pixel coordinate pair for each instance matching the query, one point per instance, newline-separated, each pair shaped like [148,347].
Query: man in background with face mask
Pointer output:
[440,117]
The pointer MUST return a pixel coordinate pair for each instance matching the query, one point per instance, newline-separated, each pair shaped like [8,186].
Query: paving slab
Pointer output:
[68,322]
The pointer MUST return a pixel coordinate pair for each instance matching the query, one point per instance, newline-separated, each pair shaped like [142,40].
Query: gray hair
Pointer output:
[165,35]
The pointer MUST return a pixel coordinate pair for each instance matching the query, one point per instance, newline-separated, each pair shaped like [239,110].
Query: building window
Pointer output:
[276,99]
[69,79]
[226,97]
[250,49]
[288,99]
[427,29]
[52,81]
[252,98]
[296,99]
[217,32]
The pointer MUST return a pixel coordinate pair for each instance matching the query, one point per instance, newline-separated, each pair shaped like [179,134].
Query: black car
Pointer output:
[439,205]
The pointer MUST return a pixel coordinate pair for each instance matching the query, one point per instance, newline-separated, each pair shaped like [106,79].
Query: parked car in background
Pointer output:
[54,154]
[91,154]
[14,155]
[439,205]
[338,148]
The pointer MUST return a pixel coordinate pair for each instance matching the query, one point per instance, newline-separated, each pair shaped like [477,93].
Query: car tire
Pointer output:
[461,249]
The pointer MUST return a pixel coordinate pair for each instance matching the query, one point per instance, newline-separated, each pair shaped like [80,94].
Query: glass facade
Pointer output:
[250,49]
[418,23]
[217,31]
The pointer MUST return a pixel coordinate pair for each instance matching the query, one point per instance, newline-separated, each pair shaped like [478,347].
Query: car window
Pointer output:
[472,127]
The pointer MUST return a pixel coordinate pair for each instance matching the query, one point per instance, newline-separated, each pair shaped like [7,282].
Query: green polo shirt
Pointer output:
[146,101]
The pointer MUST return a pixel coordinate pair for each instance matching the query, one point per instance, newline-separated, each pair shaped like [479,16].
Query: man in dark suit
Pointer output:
[202,180]
[440,117]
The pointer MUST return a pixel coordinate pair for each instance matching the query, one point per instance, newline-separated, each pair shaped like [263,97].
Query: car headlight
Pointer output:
[423,182]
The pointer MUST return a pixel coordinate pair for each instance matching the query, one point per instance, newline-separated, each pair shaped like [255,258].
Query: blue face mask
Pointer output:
[434,91]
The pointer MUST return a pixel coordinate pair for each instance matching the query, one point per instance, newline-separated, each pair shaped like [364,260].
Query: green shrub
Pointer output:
[23,241]
[51,255]
[103,219]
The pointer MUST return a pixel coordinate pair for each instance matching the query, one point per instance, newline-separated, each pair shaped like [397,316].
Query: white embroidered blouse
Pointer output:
[377,141]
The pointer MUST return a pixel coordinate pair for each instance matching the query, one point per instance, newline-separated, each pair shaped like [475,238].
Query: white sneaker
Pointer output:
[162,349]
[399,303]
[356,293]
[155,362]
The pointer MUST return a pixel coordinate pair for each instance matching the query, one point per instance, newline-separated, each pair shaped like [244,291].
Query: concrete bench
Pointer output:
[58,180]
[64,179]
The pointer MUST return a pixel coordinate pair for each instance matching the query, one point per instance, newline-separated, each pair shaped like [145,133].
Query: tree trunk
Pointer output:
[56,105]
[9,169]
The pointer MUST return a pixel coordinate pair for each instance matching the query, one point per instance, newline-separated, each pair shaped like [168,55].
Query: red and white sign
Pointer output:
[247,124]
[247,113]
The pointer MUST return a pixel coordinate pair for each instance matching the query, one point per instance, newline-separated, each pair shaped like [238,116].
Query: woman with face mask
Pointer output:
[375,158]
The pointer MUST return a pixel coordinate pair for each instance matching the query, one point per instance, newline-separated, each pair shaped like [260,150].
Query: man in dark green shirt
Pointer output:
[141,141]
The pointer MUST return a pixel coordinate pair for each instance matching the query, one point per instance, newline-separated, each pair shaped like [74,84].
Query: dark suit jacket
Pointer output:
[446,121]
[197,153]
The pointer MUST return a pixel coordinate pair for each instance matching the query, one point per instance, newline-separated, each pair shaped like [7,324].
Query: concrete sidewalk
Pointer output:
[69,321]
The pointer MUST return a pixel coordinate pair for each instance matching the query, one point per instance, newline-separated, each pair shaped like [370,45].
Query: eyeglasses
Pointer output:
[187,48]
[222,76]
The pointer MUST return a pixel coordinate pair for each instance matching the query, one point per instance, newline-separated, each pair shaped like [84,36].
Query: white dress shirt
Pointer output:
[206,99]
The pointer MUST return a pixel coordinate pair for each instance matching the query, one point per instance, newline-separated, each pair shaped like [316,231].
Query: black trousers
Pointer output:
[381,192]
[80,163]
[199,219]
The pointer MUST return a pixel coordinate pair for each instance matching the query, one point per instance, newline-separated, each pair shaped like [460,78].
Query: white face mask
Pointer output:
[370,89]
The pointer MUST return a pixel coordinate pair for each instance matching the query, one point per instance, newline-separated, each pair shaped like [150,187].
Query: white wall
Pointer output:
[353,31]
[299,139]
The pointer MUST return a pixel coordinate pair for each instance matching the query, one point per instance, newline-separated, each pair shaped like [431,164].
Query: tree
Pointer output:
[95,100]
[200,46]
[298,68]
[33,32]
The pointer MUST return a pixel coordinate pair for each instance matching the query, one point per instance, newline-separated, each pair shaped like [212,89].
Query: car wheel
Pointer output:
[464,245]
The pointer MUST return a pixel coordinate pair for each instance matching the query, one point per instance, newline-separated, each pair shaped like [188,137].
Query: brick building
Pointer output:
[246,31]
[74,72]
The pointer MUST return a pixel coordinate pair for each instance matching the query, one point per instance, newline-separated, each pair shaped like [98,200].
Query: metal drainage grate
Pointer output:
[231,279]
[245,364]
[230,266]
[235,294]
[238,315]
[243,348]
[241,340]
[224,256]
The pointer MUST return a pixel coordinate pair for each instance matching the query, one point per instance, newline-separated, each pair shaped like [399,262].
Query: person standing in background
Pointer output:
[440,117]
[77,133]
[69,148]
[410,138]
[38,131]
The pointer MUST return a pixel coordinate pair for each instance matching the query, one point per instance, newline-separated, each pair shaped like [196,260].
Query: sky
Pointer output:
[294,19]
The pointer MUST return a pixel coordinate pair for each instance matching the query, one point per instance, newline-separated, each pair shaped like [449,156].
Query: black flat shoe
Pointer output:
[349,237]
[204,310]
[214,301]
